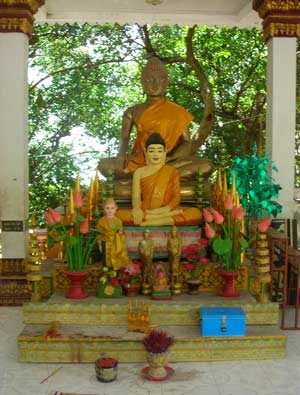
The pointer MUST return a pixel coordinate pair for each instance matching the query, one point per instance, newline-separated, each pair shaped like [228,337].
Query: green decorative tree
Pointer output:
[255,186]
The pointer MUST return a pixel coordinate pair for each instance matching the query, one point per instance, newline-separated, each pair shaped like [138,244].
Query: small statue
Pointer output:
[174,246]
[161,288]
[156,192]
[112,237]
[146,248]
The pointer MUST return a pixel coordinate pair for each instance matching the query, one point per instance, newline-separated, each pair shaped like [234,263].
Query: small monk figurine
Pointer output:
[174,246]
[111,233]
[146,248]
[156,114]
[156,192]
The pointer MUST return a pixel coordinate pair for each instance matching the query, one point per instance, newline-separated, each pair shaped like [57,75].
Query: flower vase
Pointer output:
[157,365]
[193,286]
[76,290]
[132,290]
[230,289]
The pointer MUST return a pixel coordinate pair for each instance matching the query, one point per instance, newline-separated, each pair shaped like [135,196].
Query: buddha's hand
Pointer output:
[137,215]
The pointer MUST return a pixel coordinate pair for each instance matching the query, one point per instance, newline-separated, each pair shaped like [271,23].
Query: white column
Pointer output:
[281,116]
[13,143]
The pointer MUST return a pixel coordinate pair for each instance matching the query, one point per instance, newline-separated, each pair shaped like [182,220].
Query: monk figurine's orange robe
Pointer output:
[115,247]
[164,117]
[163,189]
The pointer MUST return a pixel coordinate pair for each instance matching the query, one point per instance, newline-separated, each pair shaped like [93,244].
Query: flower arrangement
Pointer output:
[158,341]
[77,236]
[226,236]
[195,254]
[131,273]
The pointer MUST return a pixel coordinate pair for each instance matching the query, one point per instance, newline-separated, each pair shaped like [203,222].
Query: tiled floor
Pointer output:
[278,377]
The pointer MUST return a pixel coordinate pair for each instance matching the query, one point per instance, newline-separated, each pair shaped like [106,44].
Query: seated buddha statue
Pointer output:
[156,114]
[156,191]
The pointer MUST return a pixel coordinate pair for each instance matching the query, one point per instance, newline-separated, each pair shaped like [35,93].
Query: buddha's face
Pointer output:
[155,154]
[154,84]
[110,210]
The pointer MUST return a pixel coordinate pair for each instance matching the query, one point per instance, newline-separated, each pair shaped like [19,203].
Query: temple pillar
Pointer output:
[281,26]
[16,20]
[281,116]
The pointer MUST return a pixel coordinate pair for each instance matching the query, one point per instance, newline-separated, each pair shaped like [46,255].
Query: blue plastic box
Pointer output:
[223,321]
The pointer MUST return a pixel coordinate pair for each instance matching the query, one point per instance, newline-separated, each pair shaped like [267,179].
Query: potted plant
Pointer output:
[132,278]
[157,344]
[228,241]
[78,240]
[194,258]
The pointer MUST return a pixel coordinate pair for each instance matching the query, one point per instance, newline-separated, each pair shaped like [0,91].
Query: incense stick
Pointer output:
[51,374]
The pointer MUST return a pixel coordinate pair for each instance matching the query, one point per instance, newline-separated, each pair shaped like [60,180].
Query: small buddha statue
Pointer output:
[156,192]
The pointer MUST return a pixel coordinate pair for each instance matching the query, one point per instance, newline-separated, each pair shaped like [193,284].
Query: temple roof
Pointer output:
[182,12]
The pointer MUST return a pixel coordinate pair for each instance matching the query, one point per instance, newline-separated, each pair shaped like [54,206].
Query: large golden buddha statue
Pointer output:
[156,114]
[156,191]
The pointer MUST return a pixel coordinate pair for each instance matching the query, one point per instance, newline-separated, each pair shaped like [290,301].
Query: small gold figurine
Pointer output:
[174,246]
[146,247]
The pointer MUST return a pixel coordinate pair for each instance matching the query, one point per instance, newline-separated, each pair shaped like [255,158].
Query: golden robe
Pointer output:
[163,189]
[164,117]
[115,246]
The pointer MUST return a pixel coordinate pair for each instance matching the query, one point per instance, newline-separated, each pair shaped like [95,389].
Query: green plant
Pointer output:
[255,186]
[158,341]
[77,237]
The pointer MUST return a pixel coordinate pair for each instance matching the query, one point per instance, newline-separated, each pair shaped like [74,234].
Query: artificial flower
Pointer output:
[207,215]
[264,225]
[195,254]
[76,236]
[227,238]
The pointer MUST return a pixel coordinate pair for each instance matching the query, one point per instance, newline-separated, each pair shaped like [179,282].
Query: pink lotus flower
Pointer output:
[48,217]
[264,225]
[207,215]
[218,218]
[209,231]
[56,217]
[228,204]
[84,226]
[238,213]
[77,200]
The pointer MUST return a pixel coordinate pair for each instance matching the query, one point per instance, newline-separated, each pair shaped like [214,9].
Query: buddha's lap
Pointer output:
[189,216]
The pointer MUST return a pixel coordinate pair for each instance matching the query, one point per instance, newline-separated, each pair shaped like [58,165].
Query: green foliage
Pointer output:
[255,185]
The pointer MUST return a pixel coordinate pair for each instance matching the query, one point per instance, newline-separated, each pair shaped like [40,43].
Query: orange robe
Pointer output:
[164,117]
[163,189]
